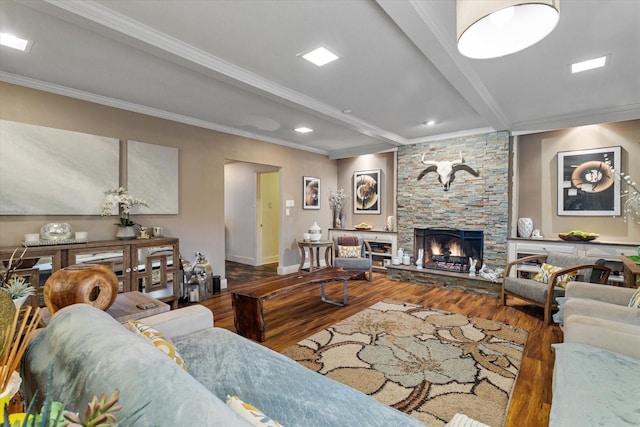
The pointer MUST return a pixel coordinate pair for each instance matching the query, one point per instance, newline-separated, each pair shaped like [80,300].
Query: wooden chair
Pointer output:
[544,294]
[359,259]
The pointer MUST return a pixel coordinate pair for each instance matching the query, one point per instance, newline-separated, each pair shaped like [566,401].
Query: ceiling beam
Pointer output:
[416,20]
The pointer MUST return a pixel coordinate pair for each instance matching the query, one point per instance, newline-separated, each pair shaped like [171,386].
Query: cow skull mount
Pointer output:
[446,170]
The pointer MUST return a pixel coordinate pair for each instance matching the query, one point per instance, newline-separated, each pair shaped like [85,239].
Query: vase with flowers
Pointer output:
[630,195]
[336,203]
[16,286]
[120,197]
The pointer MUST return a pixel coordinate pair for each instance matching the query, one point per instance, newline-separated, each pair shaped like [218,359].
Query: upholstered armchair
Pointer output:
[353,253]
[555,272]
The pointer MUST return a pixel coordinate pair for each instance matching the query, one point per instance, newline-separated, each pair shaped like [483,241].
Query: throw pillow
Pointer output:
[250,413]
[547,270]
[634,302]
[156,338]
[349,251]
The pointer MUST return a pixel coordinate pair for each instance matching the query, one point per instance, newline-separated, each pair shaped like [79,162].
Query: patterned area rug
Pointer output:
[427,363]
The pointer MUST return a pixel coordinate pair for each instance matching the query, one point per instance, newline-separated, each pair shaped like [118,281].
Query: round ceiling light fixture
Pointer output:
[495,28]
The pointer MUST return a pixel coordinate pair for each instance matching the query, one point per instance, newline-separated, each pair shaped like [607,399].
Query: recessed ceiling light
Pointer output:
[303,129]
[14,42]
[589,64]
[320,56]
[430,123]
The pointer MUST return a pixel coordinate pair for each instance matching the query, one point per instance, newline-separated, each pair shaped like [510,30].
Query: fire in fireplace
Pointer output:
[449,248]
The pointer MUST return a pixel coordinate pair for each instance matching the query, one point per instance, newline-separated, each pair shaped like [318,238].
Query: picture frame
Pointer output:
[587,185]
[366,192]
[310,192]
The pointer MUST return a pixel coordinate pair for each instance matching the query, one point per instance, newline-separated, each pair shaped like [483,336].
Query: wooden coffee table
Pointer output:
[124,307]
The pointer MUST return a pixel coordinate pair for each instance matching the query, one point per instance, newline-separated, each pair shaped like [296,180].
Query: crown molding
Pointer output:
[141,109]
[124,25]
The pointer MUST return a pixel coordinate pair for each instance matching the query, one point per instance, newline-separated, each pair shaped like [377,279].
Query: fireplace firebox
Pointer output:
[449,248]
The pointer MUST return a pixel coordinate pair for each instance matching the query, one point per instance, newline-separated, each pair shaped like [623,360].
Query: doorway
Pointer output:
[251,207]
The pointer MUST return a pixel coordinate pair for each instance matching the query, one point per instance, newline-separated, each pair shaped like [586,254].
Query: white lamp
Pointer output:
[494,28]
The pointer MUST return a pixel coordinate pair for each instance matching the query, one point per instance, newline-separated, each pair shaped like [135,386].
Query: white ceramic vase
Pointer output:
[525,227]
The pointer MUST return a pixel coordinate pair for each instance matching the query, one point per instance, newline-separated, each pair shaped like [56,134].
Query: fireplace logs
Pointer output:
[448,248]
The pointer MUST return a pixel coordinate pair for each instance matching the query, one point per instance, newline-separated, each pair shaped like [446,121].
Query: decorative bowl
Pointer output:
[577,237]
[362,228]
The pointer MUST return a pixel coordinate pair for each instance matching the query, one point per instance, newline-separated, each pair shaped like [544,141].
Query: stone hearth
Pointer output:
[444,279]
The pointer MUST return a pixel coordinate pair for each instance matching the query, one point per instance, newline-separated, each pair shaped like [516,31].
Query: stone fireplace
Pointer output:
[449,249]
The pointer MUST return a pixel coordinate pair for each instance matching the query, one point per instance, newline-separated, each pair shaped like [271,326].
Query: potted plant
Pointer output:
[18,289]
[13,284]
[120,197]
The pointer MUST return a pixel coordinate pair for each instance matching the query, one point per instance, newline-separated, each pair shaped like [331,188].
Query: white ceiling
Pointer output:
[232,65]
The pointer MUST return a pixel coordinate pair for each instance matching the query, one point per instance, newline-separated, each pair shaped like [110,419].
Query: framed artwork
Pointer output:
[310,192]
[366,191]
[152,175]
[587,186]
[48,171]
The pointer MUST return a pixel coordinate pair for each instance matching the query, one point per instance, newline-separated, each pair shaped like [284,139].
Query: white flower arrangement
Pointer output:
[120,197]
[337,199]
[631,206]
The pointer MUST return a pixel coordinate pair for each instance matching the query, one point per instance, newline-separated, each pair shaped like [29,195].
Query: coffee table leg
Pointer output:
[344,293]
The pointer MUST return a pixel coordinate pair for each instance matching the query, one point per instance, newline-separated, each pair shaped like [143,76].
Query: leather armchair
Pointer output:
[544,294]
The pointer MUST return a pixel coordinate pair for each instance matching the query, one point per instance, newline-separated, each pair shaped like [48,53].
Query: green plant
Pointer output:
[99,412]
[18,287]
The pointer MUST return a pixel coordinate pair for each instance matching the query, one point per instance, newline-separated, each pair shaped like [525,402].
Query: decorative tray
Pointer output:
[43,242]
[577,237]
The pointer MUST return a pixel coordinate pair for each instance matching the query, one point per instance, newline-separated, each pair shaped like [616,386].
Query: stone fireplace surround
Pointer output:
[480,203]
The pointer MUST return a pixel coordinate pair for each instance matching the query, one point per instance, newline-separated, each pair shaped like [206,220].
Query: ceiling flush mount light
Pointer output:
[303,129]
[495,28]
[429,123]
[589,64]
[14,42]
[320,56]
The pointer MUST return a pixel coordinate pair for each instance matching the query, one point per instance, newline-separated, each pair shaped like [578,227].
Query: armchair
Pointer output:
[543,291]
[352,253]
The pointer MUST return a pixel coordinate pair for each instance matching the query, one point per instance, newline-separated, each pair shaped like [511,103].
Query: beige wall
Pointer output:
[386,163]
[200,223]
[537,178]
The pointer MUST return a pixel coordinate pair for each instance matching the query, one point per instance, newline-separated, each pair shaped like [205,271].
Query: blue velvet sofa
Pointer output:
[87,344]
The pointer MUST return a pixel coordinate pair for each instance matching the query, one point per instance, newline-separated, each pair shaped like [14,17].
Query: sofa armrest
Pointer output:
[618,337]
[604,293]
[183,321]
[601,310]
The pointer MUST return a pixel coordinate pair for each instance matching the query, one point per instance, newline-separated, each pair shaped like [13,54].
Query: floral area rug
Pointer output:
[428,363]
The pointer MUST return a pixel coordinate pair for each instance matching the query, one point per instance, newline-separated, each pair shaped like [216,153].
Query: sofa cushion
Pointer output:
[546,270]
[250,413]
[634,302]
[349,251]
[157,340]
[594,387]
[228,364]
[86,343]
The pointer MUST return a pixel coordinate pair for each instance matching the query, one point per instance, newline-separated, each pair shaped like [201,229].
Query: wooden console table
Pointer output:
[248,305]
[631,272]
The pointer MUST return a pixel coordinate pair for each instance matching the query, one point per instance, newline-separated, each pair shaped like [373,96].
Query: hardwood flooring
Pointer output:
[300,313]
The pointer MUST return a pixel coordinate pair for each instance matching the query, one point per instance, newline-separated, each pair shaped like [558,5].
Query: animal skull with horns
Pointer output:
[445,169]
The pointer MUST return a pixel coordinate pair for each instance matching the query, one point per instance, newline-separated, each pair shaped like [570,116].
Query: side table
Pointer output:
[314,259]
[631,272]
[124,307]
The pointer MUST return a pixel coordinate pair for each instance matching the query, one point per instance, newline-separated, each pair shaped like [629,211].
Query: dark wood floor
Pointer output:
[298,314]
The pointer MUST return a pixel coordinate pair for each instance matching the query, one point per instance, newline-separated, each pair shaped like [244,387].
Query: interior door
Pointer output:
[268,216]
